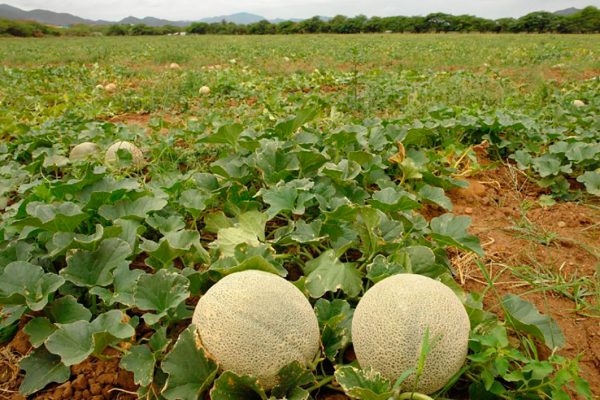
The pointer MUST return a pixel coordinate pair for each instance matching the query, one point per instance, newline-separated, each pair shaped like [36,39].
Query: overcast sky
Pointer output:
[196,9]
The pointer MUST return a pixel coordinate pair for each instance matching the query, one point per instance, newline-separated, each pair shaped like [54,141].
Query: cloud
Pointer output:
[197,9]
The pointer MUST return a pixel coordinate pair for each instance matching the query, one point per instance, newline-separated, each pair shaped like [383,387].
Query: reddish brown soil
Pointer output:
[93,379]
[571,234]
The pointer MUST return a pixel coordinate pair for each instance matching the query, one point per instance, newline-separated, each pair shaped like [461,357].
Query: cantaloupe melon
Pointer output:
[255,323]
[84,151]
[390,324]
[111,157]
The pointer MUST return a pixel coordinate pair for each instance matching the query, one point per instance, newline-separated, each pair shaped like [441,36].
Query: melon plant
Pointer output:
[112,157]
[405,317]
[84,151]
[255,323]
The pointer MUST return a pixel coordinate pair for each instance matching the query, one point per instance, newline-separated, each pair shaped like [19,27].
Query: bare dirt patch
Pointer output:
[547,255]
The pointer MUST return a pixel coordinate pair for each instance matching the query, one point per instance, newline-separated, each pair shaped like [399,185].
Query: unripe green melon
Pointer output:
[255,323]
[111,157]
[390,324]
[84,151]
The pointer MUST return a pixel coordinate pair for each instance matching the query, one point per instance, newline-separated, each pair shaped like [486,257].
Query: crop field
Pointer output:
[334,162]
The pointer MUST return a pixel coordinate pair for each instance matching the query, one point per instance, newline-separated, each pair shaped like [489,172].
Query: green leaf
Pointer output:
[38,330]
[226,134]
[66,310]
[525,317]
[365,384]
[41,368]
[253,222]
[380,268]
[436,195]
[335,322]
[286,128]
[94,268]
[229,238]
[160,292]
[291,197]
[169,247]
[591,180]
[60,217]
[140,361]
[190,371]
[290,378]
[194,201]
[327,274]
[25,283]
[172,223]
[72,342]
[547,165]
[126,208]
[345,170]
[451,230]
[124,283]
[390,199]
[230,386]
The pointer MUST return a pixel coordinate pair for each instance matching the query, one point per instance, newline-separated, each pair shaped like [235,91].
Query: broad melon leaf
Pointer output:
[169,247]
[38,330]
[327,274]
[160,292]
[9,321]
[171,223]
[380,268]
[66,310]
[72,342]
[60,217]
[365,384]
[525,317]
[390,199]
[290,378]
[229,238]
[230,386]
[124,283]
[335,323]
[226,134]
[436,195]
[291,197]
[190,371]
[140,360]
[591,180]
[94,268]
[25,283]
[286,128]
[451,230]
[126,208]
[109,328]
[42,368]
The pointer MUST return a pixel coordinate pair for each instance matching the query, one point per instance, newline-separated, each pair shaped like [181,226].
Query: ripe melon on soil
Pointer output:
[84,151]
[255,323]
[392,320]
[112,157]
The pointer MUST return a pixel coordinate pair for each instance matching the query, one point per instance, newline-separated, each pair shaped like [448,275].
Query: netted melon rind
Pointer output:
[111,157]
[84,151]
[390,323]
[255,323]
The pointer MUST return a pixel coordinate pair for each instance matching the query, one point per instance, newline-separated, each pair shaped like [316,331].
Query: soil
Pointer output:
[560,240]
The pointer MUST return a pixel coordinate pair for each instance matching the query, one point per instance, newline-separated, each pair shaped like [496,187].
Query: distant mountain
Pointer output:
[239,18]
[150,21]
[567,11]
[63,19]
[43,16]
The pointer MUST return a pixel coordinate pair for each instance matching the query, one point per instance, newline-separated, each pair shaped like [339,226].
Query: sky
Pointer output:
[197,9]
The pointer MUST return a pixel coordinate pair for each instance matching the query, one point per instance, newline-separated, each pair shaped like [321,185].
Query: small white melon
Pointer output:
[204,90]
[112,158]
[84,151]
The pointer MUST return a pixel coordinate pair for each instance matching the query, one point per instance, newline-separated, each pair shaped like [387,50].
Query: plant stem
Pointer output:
[320,383]
[413,396]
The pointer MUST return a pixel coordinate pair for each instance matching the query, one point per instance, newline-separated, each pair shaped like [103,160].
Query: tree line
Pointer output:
[583,21]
